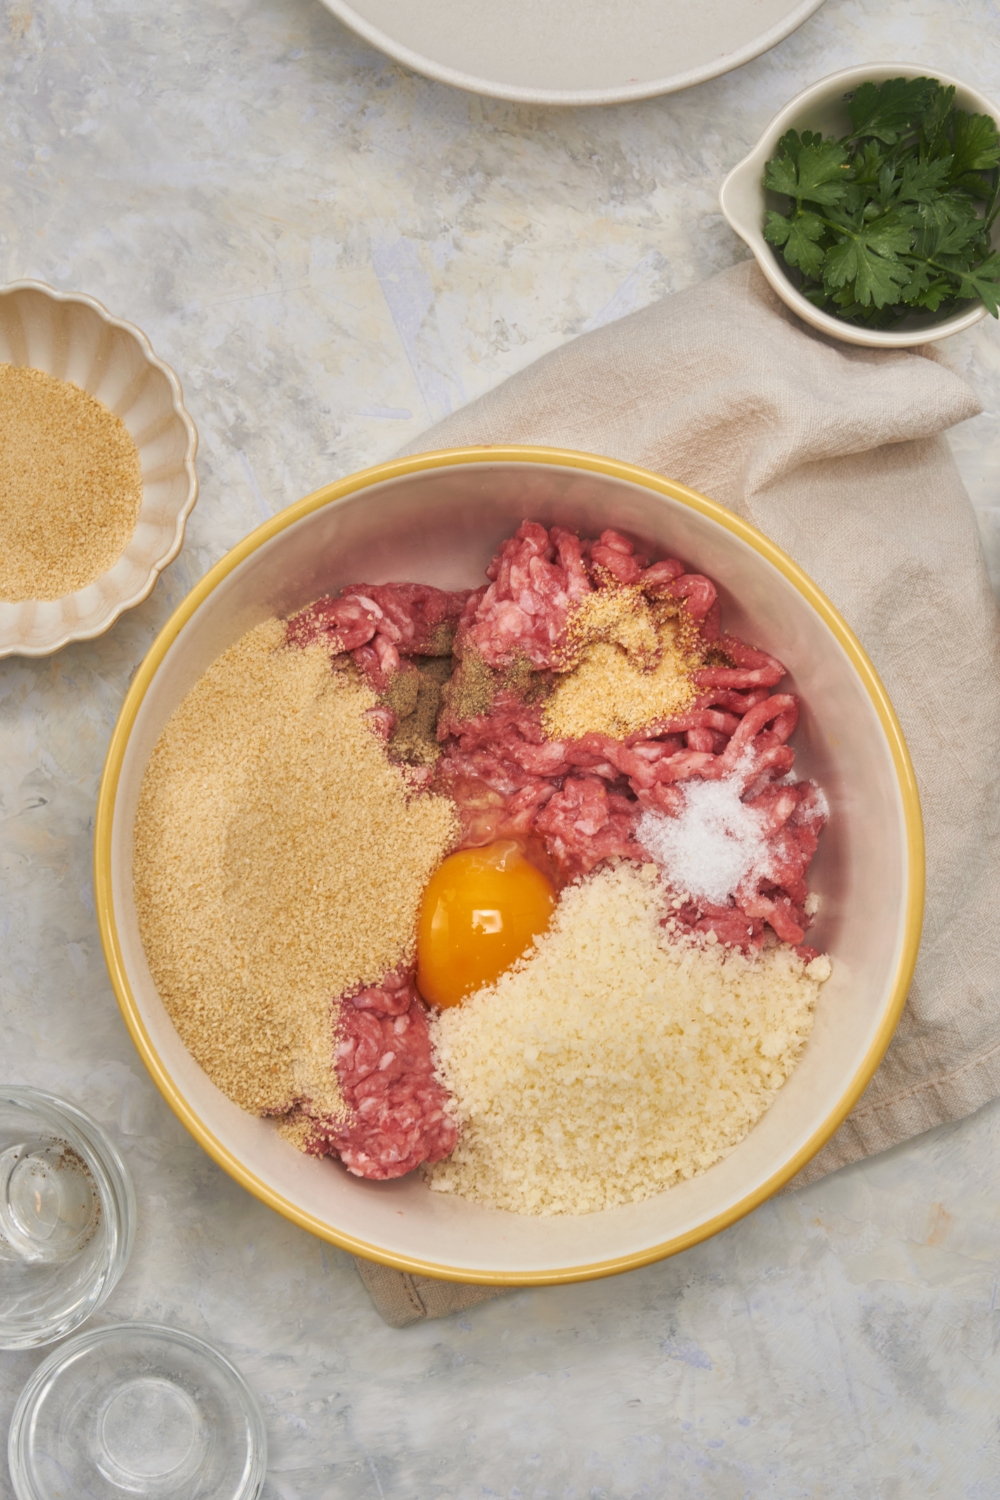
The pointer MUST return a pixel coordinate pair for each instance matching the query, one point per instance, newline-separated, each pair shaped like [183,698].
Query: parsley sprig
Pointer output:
[895,217]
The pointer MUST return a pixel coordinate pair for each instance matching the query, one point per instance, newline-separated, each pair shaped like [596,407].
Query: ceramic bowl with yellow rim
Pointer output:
[438,518]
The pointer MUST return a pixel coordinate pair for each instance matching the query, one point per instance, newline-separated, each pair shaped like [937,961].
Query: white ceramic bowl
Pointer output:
[823,107]
[438,518]
[74,338]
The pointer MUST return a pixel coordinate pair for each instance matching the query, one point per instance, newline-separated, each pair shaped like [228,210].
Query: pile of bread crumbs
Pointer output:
[279,861]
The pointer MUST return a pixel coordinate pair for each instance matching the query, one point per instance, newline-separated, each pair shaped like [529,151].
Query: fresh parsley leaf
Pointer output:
[920,279]
[867,259]
[815,174]
[888,110]
[822,172]
[984,281]
[791,142]
[866,169]
[781,175]
[936,121]
[887,235]
[886,184]
[871,316]
[975,144]
[954,237]
[797,238]
[939,210]
[868,163]
[932,296]
[926,288]
[921,181]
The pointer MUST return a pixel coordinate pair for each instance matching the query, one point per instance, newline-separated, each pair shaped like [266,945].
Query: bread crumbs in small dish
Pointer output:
[97,473]
[508,884]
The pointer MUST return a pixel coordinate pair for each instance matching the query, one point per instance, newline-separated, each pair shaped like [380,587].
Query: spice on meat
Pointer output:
[628,663]
[414,697]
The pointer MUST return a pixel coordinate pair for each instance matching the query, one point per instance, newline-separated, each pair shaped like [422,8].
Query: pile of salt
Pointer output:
[714,846]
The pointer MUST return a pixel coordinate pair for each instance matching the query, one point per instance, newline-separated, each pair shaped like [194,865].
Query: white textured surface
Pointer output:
[331,252]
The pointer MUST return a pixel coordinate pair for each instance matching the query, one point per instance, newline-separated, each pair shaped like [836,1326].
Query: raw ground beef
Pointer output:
[399,1112]
[380,625]
[582,799]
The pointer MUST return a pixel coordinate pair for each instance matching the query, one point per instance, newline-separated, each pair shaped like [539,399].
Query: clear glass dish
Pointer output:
[137,1409]
[67,1217]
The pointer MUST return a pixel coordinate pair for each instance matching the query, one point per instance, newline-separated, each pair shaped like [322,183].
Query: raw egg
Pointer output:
[481,909]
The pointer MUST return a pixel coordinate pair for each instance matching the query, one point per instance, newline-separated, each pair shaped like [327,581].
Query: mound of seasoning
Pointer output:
[629,662]
[70,486]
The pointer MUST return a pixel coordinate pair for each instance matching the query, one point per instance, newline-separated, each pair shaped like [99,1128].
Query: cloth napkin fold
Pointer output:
[837,453]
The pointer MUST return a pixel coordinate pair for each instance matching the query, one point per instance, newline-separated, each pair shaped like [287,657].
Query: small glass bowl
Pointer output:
[140,1410]
[67,1217]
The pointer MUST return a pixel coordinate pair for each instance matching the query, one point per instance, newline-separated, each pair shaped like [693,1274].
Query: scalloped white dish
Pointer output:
[74,338]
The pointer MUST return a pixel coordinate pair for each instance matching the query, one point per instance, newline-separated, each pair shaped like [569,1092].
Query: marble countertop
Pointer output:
[333,253]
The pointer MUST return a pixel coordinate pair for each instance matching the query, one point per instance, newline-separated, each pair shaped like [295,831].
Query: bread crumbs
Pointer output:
[279,862]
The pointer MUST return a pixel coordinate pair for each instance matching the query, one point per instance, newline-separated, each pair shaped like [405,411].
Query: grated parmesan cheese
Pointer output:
[616,1058]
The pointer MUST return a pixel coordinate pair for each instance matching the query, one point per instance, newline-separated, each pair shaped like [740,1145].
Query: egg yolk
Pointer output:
[481,909]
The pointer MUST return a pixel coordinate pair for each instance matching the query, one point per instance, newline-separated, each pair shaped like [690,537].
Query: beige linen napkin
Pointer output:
[836,453]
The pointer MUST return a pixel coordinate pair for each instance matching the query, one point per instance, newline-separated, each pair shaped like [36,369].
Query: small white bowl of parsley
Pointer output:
[872,205]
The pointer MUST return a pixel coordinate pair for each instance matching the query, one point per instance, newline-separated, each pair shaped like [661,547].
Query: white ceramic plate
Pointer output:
[438,518]
[573,51]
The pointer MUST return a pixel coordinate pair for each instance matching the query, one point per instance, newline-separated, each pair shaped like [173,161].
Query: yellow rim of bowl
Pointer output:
[565,459]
